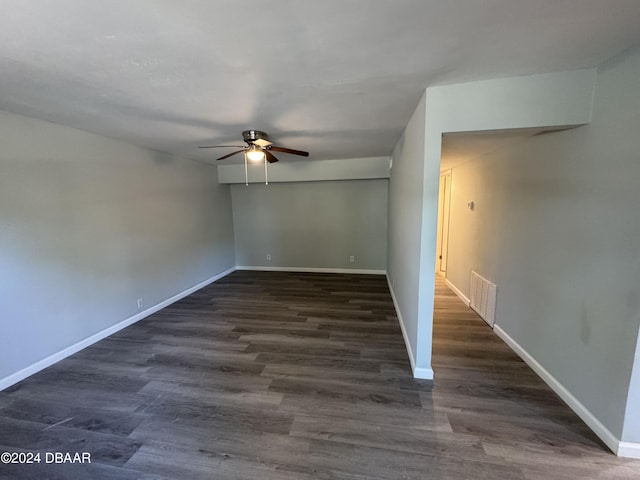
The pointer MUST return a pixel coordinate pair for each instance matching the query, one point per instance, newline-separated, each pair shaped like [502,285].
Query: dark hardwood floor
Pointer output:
[298,376]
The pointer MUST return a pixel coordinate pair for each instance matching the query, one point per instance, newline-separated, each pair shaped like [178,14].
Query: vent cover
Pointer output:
[483,298]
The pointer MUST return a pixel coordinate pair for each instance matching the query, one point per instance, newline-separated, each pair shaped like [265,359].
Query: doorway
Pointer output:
[444,207]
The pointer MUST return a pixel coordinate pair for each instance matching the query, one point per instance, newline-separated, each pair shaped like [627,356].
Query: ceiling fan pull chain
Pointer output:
[246,171]
[266,178]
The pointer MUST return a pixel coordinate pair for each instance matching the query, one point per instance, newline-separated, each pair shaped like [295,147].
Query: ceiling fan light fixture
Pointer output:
[255,154]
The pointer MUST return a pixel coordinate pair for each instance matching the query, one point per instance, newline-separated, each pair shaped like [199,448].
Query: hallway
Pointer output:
[487,392]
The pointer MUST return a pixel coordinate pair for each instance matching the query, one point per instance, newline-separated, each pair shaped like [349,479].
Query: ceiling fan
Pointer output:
[258,148]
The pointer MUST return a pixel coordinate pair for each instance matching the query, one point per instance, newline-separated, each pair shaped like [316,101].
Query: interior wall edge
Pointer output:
[609,439]
[16,377]
[424,373]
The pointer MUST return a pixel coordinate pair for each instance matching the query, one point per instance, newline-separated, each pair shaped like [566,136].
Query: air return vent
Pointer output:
[483,298]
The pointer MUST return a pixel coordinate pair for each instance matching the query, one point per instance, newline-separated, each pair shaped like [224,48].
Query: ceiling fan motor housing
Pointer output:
[251,136]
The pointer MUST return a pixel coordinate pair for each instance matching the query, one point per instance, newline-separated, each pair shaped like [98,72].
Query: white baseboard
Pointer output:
[423,373]
[62,354]
[455,290]
[622,449]
[628,449]
[418,372]
[313,270]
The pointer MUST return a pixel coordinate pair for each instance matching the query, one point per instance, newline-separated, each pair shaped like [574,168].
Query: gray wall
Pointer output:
[87,226]
[312,224]
[305,170]
[556,227]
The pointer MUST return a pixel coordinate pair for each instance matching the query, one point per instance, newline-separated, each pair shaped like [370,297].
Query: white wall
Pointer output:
[557,99]
[405,220]
[556,227]
[87,226]
[631,427]
[312,224]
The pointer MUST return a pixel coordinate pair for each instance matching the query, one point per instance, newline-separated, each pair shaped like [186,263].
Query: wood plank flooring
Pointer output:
[267,375]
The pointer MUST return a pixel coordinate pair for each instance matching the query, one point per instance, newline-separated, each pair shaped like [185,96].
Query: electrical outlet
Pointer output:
[140,303]
[352,259]
[268,256]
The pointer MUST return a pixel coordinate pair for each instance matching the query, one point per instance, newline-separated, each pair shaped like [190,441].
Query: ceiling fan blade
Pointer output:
[288,150]
[261,142]
[222,146]
[270,157]
[230,154]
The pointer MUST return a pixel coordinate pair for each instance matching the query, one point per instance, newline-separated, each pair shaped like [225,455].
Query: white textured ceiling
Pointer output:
[339,78]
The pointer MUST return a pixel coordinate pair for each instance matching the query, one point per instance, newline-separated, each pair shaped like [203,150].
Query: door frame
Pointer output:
[444,213]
